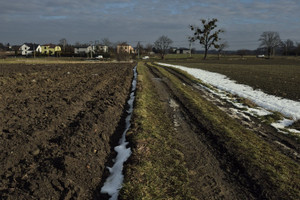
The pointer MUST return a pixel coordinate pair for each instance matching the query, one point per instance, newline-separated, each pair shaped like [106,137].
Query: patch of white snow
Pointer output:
[114,182]
[287,107]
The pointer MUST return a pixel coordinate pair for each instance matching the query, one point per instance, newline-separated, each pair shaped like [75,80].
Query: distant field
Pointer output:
[49,60]
[39,60]
[279,76]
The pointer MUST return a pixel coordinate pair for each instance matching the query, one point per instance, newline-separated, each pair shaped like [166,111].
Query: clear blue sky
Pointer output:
[47,21]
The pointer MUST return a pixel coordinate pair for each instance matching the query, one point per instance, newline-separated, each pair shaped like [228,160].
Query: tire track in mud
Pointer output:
[210,175]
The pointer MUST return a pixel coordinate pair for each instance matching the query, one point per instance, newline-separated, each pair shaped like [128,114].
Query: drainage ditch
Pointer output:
[113,183]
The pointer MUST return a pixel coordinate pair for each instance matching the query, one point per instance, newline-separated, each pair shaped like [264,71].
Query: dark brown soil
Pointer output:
[56,126]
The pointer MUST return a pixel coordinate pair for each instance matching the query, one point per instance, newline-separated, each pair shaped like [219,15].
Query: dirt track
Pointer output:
[215,174]
[208,176]
[287,145]
[57,122]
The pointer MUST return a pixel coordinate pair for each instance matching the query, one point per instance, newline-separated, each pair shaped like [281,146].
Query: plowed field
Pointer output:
[56,128]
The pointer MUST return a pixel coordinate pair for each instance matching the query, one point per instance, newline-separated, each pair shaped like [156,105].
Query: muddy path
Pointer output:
[287,145]
[57,127]
[238,168]
[213,174]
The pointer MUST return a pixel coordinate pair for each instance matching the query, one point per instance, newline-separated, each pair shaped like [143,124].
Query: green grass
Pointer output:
[271,118]
[157,169]
[278,174]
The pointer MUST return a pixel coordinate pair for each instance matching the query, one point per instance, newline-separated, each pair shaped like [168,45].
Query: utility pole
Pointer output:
[190,45]
[138,46]
[92,48]
[190,48]
[33,50]
[64,45]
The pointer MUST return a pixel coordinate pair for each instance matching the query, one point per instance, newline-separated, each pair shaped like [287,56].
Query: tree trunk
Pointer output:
[205,53]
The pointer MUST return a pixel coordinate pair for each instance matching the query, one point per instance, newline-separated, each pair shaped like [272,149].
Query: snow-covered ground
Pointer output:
[287,107]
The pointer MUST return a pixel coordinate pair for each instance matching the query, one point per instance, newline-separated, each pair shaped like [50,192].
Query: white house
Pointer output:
[84,49]
[103,48]
[39,49]
[183,51]
[28,49]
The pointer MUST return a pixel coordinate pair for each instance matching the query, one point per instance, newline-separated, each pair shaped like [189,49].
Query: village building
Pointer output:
[49,49]
[84,49]
[125,48]
[182,51]
[29,48]
[102,48]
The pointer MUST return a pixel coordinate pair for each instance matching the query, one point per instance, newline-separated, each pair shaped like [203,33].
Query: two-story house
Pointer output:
[84,49]
[29,48]
[102,48]
[49,49]
[125,48]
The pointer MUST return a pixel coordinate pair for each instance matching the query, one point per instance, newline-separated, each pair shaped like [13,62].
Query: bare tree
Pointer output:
[297,49]
[149,48]
[206,34]
[64,43]
[140,49]
[106,42]
[242,52]
[162,45]
[78,44]
[270,40]
[288,46]
[221,48]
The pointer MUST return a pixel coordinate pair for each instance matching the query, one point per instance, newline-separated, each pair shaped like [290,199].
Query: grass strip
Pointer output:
[277,174]
[156,169]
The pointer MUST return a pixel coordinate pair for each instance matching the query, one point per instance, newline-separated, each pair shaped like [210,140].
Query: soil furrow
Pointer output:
[56,134]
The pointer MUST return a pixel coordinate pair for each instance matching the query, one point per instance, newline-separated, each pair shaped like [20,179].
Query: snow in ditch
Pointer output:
[114,182]
[287,107]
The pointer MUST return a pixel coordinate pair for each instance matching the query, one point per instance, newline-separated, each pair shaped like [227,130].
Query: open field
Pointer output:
[233,59]
[56,60]
[278,76]
[223,159]
[40,60]
[57,128]
[61,120]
